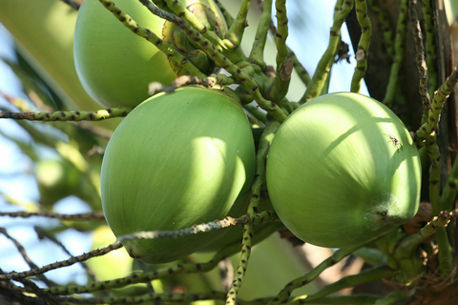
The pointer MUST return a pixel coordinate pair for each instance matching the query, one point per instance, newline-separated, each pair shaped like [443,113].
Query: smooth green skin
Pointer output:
[335,168]
[176,160]
[43,31]
[114,64]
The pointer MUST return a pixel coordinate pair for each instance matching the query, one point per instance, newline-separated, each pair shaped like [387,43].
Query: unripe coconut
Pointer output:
[343,169]
[176,160]
[114,64]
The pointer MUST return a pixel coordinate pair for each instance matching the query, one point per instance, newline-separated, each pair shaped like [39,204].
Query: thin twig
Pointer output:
[60,264]
[25,256]
[80,216]
[134,278]
[98,115]
[43,234]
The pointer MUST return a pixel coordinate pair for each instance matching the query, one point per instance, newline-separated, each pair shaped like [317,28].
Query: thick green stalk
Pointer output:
[68,115]
[384,24]
[224,62]
[286,292]
[256,112]
[393,298]
[431,47]
[300,69]
[263,147]
[284,62]
[367,276]
[145,276]
[445,253]
[407,245]
[297,65]
[257,51]
[363,44]
[421,63]
[432,149]
[447,201]
[180,298]
[227,16]
[398,53]
[436,226]
[179,8]
[439,99]
[355,299]
[324,66]
[238,25]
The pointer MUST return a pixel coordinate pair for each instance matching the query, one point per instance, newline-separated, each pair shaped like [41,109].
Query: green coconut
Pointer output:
[176,160]
[342,170]
[115,65]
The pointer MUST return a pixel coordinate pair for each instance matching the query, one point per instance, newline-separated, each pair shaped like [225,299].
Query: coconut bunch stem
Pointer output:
[168,49]
[363,45]
[343,8]
[67,115]
[398,53]
[238,24]
[287,291]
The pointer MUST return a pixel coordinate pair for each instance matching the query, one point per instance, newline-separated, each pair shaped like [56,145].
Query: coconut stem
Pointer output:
[168,49]
[226,63]
[263,147]
[440,97]
[431,48]
[300,69]
[384,23]
[367,276]
[144,277]
[238,25]
[363,44]
[257,51]
[229,19]
[420,61]
[447,201]
[343,8]
[286,292]
[408,245]
[60,264]
[68,115]
[175,298]
[284,61]
[398,53]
